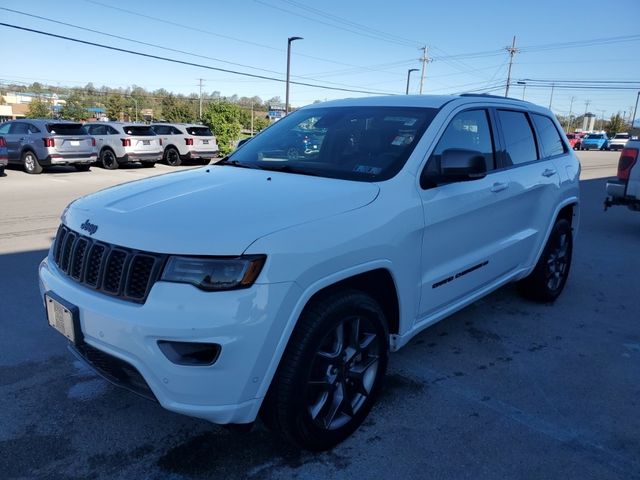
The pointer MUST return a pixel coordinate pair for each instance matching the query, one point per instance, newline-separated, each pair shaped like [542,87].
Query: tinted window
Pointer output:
[138,130]
[65,129]
[199,131]
[355,143]
[161,129]
[97,130]
[623,136]
[110,130]
[468,130]
[19,128]
[520,145]
[33,128]
[594,136]
[4,128]
[549,137]
[174,131]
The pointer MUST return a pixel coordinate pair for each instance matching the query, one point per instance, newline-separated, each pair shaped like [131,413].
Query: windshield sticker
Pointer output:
[367,169]
[403,139]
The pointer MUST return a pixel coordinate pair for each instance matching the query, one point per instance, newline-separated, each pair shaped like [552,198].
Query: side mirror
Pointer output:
[454,165]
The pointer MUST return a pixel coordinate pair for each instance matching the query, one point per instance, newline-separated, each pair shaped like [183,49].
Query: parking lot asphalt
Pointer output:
[505,388]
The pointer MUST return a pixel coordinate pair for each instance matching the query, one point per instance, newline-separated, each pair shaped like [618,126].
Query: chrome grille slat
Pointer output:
[116,271]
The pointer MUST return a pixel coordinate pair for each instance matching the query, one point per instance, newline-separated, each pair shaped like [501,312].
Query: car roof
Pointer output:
[188,125]
[43,121]
[129,124]
[426,101]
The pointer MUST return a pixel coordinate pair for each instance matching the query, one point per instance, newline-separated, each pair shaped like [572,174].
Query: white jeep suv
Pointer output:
[278,286]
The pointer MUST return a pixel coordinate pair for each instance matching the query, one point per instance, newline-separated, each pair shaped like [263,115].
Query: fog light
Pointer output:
[190,353]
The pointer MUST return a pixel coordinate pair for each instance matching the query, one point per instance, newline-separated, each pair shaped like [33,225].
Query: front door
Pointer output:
[463,243]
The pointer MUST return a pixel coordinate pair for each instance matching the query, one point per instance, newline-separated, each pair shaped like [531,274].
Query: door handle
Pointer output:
[549,172]
[22,139]
[499,186]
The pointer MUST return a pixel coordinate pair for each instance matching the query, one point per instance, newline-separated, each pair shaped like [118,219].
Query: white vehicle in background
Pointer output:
[278,284]
[625,189]
[120,143]
[619,141]
[186,142]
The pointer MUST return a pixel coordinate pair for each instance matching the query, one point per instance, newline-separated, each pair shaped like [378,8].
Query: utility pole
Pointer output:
[570,111]
[200,85]
[286,101]
[551,98]
[425,59]
[586,107]
[408,77]
[635,110]
[252,119]
[512,52]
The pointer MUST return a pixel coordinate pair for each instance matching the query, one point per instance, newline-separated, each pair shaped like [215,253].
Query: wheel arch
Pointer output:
[375,279]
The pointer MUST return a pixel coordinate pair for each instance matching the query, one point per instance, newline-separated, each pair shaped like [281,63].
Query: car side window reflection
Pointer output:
[469,130]
[520,144]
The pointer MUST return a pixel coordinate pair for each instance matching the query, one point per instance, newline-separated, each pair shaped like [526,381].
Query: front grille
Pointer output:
[121,272]
[114,370]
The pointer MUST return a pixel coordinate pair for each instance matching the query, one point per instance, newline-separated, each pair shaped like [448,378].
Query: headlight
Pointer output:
[214,273]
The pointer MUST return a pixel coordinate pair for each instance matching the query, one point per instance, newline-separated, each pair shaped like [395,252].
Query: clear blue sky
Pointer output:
[254,33]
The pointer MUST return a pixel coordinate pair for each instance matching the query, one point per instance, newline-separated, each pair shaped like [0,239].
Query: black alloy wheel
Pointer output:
[108,159]
[172,157]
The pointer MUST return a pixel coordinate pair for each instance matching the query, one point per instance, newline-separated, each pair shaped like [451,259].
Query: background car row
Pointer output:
[36,144]
[597,141]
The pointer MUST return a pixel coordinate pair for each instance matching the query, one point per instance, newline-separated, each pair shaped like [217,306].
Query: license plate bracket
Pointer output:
[64,317]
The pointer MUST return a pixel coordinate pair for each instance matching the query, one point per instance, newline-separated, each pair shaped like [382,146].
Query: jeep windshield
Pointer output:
[353,143]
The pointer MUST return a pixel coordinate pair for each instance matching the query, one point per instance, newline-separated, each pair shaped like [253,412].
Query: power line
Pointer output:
[182,62]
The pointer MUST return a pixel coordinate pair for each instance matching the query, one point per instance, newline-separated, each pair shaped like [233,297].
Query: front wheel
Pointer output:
[331,371]
[549,277]
[31,164]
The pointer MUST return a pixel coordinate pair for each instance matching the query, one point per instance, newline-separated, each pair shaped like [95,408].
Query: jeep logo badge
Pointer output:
[89,227]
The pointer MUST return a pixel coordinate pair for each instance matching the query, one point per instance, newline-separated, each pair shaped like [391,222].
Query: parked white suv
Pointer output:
[278,284]
[184,142]
[619,141]
[120,143]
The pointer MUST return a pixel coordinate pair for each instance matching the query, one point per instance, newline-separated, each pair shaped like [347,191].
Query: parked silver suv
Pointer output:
[120,143]
[37,143]
[184,141]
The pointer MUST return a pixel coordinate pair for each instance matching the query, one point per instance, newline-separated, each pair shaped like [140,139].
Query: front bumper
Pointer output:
[246,323]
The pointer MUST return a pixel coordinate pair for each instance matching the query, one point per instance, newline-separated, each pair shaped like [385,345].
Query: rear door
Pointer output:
[465,240]
[534,181]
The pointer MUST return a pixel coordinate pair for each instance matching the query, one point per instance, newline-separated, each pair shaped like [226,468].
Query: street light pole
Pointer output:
[286,101]
[408,77]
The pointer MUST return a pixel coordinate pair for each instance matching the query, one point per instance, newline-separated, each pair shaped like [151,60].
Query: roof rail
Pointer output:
[488,95]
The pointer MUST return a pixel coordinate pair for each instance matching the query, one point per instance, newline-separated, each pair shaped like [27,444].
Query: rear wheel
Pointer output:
[172,157]
[549,277]
[108,159]
[331,371]
[83,167]
[31,164]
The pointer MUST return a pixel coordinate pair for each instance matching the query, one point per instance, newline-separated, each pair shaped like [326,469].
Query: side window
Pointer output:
[160,130]
[19,128]
[520,144]
[4,129]
[175,131]
[109,130]
[550,139]
[33,128]
[469,130]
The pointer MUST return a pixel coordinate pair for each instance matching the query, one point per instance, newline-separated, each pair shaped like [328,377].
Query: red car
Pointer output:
[574,140]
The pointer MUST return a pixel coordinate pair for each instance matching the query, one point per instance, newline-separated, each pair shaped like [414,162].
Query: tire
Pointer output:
[323,364]
[148,164]
[172,157]
[83,167]
[1,171]
[108,159]
[31,164]
[549,277]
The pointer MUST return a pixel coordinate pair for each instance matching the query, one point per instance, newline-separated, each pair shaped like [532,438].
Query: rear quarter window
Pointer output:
[548,135]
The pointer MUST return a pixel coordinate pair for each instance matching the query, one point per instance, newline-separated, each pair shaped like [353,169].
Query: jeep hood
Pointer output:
[217,210]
